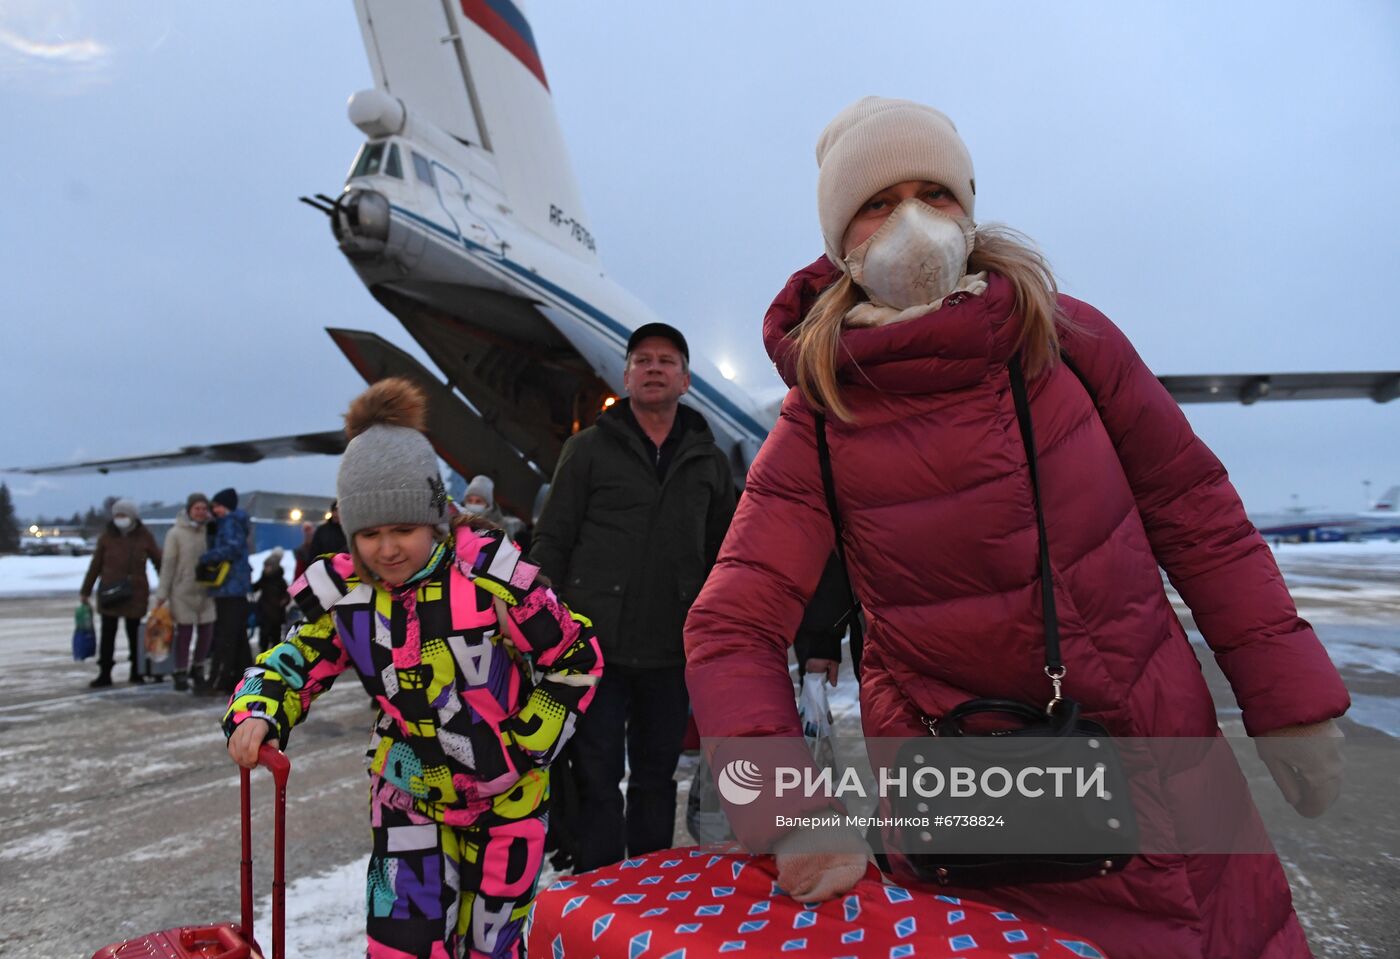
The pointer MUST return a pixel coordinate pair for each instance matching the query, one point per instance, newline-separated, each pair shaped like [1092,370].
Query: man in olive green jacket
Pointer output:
[639,505]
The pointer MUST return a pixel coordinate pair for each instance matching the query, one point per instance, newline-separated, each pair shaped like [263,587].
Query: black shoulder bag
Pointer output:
[112,595]
[979,839]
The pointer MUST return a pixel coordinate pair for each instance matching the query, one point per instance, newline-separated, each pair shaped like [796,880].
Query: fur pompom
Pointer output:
[391,402]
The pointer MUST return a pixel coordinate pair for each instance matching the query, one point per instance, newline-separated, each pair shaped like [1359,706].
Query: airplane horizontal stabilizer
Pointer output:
[458,433]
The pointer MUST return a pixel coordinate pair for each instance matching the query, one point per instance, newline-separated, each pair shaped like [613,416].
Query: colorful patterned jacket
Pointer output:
[462,729]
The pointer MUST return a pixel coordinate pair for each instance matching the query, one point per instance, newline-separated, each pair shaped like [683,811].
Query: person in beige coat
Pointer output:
[191,606]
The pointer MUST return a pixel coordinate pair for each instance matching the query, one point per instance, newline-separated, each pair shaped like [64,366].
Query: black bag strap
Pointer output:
[1054,666]
[829,485]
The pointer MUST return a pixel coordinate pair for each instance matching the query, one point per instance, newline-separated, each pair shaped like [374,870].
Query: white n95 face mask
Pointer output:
[917,256]
[122,522]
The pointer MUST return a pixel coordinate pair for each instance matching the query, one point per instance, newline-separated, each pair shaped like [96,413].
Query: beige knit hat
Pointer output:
[877,142]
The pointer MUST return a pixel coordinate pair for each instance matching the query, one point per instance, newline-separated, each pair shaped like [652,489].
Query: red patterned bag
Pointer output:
[707,901]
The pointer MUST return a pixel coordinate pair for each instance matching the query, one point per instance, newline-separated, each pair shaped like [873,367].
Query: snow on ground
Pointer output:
[325,915]
[41,575]
[325,912]
[1358,550]
[32,575]
[37,575]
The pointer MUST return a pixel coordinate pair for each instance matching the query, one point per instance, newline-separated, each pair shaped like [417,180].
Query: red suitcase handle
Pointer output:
[235,946]
[279,765]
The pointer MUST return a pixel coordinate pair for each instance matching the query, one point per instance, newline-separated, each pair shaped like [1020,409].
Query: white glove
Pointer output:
[1306,762]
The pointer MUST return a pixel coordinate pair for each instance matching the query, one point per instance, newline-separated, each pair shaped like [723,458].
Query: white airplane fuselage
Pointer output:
[420,215]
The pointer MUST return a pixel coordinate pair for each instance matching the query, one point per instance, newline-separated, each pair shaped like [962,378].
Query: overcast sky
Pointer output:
[1220,179]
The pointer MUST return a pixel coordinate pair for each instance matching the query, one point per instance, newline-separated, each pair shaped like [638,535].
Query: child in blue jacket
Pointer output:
[479,673]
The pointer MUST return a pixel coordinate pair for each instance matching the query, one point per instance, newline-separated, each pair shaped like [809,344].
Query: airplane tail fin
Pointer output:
[1388,502]
[471,68]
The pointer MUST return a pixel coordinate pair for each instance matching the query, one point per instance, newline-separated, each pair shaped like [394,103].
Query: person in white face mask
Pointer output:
[118,570]
[917,346]
[480,500]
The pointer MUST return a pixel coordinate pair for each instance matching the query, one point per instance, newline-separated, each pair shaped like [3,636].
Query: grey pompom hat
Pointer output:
[389,475]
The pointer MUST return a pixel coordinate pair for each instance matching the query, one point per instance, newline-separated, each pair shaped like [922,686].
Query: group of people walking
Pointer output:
[204,585]
[919,350]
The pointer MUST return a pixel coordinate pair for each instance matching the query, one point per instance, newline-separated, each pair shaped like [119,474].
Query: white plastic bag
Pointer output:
[814,712]
[704,813]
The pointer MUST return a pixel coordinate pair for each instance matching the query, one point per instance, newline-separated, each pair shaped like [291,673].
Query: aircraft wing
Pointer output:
[248,451]
[460,434]
[1250,388]
[470,446]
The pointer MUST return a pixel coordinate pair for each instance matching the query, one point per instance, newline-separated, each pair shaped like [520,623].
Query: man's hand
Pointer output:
[1306,762]
[247,739]
[829,666]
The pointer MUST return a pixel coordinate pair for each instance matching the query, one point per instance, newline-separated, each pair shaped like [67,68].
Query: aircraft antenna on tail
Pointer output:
[457,48]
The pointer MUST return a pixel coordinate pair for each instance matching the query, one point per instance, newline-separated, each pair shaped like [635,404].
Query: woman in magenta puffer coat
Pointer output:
[902,334]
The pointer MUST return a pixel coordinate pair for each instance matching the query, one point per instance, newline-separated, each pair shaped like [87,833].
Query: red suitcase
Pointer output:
[708,901]
[228,940]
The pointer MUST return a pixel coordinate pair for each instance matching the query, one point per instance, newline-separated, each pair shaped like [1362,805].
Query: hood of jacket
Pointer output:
[947,349]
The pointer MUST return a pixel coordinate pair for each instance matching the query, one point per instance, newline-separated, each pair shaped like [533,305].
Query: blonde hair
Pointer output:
[997,249]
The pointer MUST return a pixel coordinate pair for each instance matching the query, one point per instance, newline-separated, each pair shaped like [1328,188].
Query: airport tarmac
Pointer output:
[122,815]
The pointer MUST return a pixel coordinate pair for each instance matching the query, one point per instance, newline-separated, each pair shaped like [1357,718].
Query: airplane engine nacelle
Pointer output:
[376,113]
[361,222]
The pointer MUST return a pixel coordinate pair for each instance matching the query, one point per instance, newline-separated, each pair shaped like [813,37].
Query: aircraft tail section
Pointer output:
[1389,501]
[472,69]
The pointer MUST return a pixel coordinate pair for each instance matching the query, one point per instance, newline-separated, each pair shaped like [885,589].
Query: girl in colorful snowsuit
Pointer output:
[445,625]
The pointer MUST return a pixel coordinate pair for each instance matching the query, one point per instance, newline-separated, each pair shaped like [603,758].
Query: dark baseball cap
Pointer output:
[663,330]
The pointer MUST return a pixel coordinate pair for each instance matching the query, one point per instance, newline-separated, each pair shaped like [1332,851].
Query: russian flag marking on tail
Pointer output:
[504,22]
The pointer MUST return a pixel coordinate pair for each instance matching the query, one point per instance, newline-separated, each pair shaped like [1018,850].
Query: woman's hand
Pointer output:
[1306,761]
[247,739]
[829,666]
[817,865]
[819,876]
